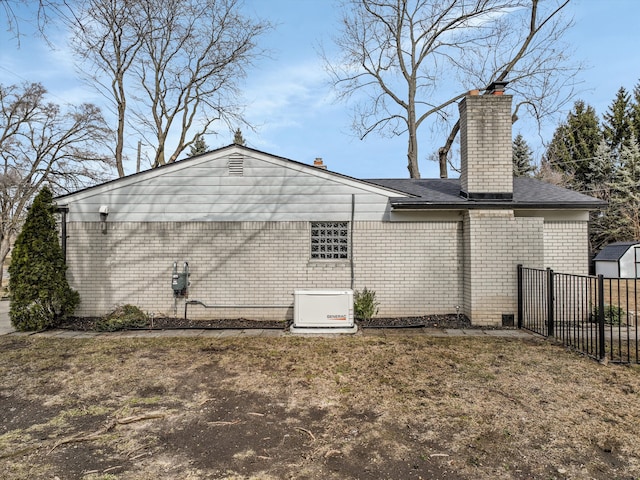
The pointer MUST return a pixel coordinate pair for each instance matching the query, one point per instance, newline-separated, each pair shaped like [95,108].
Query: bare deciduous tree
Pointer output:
[107,40]
[43,11]
[171,68]
[402,59]
[193,55]
[40,144]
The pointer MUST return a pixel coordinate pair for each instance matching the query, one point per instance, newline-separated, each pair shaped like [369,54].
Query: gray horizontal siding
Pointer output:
[206,194]
[249,216]
[208,177]
[267,191]
[234,207]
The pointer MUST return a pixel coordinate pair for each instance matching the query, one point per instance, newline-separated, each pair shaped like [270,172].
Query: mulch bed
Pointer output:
[426,321]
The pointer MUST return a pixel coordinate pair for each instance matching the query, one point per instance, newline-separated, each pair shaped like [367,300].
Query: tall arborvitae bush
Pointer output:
[40,294]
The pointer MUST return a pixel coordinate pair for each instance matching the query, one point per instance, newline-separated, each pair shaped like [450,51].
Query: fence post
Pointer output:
[601,342]
[550,303]
[520,305]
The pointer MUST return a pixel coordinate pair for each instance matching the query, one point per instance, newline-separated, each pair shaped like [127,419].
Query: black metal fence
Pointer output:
[595,315]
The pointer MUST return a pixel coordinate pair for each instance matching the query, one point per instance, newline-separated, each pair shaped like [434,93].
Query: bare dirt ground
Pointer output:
[361,407]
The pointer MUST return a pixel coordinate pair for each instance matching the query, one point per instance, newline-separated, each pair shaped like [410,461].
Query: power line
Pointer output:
[49,93]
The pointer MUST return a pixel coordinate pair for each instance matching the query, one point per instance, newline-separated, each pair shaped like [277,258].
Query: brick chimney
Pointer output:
[485,145]
[319,164]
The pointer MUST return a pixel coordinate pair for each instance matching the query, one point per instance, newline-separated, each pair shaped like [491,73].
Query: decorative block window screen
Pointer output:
[329,240]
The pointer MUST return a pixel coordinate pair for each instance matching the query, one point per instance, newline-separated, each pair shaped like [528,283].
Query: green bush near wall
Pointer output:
[613,314]
[365,305]
[40,294]
[123,317]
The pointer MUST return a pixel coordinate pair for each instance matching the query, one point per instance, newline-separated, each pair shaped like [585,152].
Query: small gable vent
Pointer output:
[236,166]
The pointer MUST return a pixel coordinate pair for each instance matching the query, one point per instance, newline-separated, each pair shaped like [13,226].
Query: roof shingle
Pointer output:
[614,251]
[444,193]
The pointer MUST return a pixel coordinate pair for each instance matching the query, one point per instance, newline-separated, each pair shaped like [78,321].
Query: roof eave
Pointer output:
[399,205]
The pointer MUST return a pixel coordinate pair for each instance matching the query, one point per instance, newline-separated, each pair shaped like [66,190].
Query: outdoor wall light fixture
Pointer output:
[104,211]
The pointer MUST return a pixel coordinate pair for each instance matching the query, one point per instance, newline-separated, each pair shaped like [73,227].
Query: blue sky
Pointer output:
[289,101]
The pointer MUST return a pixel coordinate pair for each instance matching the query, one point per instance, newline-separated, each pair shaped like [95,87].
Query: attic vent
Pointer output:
[236,166]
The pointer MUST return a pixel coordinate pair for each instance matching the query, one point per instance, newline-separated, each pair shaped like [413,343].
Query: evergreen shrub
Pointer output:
[40,294]
[125,316]
[365,305]
[613,314]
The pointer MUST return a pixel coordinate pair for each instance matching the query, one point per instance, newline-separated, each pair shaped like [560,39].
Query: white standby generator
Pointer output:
[323,311]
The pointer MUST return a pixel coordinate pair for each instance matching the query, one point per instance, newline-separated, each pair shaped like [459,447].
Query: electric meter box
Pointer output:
[323,311]
[179,282]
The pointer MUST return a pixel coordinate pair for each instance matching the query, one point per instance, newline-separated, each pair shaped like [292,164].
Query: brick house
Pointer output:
[254,227]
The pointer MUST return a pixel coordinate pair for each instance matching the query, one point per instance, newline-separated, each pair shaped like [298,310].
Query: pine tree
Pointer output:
[522,158]
[625,194]
[238,139]
[635,111]
[40,294]
[199,147]
[575,143]
[617,126]
[600,171]
[599,182]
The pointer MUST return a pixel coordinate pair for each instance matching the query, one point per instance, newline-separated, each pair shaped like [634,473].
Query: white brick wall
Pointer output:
[495,243]
[566,246]
[485,144]
[415,268]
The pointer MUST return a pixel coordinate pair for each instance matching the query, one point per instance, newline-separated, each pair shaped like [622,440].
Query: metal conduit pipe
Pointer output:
[63,210]
[353,215]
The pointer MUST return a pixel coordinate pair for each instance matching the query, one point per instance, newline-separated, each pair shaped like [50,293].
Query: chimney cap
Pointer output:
[496,88]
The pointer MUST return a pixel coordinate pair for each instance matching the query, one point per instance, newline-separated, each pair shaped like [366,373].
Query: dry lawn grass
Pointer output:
[375,407]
